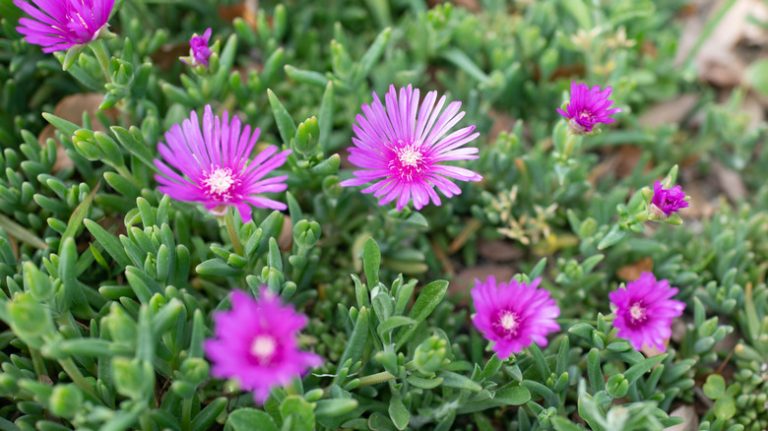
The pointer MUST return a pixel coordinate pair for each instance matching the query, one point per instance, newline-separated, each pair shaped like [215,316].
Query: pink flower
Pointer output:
[588,107]
[400,148]
[668,201]
[255,344]
[513,315]
[645,311]
[57,25]
[212,165]
[199,52]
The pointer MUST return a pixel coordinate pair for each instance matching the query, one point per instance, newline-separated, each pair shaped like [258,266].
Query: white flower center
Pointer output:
[508,321]
[263,347]
[220,181]
[637,311]
[410,156]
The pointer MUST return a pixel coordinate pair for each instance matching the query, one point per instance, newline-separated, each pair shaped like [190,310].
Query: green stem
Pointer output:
[99,49]
[77,377]
[229,219]
[186,414]
[377,378]
[37,363]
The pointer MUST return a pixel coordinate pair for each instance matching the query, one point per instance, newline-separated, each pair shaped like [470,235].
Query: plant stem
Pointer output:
[102,56]
[229,219]
[37,363]
[77,378]
[186,414]
[377,378]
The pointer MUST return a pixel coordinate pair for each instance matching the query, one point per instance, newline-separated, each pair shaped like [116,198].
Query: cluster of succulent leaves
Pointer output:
[108,286]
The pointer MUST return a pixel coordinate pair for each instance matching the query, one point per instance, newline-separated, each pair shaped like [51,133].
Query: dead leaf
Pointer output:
[465,279]
[469,229]
[689,416]
[718,59]
[246,10]
[71,108]
[668,112]
[499,250]
[730,182]
[285,240]
[501,123]
[633,271]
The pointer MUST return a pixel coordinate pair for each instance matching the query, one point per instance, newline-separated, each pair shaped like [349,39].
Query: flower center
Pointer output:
[408,160]
[219,183]
[637,312]
[410,156]
[508,321]
[263,347]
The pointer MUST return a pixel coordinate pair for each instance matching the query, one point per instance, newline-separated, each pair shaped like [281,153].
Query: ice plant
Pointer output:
[588,107]
[513,315]
[255,343]
[212,166]
[57,25]
[401,147]
[668,201]
[645,311]
[199,52]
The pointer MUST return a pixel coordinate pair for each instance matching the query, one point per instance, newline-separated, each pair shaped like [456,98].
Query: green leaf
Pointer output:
[335,407]
[757,76]
[398,412]
[714,387]
[325,117]
[357,340]
[207,416]
[513,395]
[454,380]
[614,236]
[371,262]
[429,298]
[248,419]
[393,322]
[285,124]
[306,76]
[300,412]
[634,372]
[371,56]
[78,215]
[108,241]
[725,408]
[19,232]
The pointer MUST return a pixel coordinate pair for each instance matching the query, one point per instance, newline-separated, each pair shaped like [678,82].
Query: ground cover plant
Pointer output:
[383,214]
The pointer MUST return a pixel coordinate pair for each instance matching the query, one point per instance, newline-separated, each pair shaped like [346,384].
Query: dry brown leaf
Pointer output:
[71,108]
[501,123]
[689,416]
[730,182]
[668,112]
[632,272]
[499,250]
[465,279]
[246,10]
[285,241]
[718,59]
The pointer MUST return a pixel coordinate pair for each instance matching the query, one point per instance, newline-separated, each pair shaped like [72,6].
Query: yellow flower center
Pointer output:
[263,347]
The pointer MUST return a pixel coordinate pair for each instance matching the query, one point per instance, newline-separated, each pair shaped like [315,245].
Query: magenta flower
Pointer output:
[513,315]
[645,311]
[57,25]
[199,52]
[400,148]
[668,201]
[212,165]
[255,344]
[588,107]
